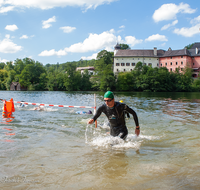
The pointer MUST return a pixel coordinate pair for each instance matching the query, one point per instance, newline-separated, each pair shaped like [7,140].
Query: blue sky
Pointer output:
[69,30]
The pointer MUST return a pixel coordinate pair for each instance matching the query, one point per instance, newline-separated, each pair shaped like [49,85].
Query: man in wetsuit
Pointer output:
[115,114]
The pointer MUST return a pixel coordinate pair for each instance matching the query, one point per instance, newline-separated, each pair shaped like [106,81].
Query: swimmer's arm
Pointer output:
[98,113]
[131,111]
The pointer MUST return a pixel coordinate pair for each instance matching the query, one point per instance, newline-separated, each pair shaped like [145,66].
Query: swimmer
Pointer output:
[22,105]
[39,108]
[115,114]
[84,112]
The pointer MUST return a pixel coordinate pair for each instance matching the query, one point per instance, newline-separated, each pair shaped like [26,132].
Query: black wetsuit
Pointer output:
[116,118]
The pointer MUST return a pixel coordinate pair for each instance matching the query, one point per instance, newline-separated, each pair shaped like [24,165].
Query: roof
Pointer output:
[84,68]
[117,46]
[160,53]
[196,45]
[171,53]
[136,53]
[193,52]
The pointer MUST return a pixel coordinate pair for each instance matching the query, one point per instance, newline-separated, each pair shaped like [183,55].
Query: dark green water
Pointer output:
[56,149]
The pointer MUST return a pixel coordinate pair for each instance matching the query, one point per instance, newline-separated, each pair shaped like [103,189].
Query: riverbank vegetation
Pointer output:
[33,75]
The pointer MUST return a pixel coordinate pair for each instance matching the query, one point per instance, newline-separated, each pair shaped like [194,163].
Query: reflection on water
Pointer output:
[55,148]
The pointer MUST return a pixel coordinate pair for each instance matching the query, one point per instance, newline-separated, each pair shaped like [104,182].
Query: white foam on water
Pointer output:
[98,138]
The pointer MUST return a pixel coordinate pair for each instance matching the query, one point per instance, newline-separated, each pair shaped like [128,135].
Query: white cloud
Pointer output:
[10,5]
[3,60]
[106,40]
[122,26]
[169,11]
[132,41]
[11,27]
[95,42]
[163,44]
[52,52]
[24,37]
[47,23]
[7,46]
[6,9]
[169,25]
[67,29]
[195,20]
[93,56]
[188,32]
[156,37]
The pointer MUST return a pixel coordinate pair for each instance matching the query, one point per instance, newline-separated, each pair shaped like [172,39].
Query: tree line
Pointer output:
[33,75]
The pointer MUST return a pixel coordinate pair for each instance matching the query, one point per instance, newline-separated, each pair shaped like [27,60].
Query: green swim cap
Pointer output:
[109,94]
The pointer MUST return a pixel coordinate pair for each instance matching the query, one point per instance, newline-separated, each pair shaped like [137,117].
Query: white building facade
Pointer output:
[126,60]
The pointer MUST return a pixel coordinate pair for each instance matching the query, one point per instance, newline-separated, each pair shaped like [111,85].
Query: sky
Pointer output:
[59,31]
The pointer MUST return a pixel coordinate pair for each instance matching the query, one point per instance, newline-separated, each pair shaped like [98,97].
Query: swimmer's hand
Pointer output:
[137,130]
[91,121]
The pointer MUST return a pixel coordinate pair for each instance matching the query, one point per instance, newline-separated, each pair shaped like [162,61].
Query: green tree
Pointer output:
[125,81]
[2,65]
[72,78]
[31,74]
[3,76]
[124,46]
[189,46]
[85,81]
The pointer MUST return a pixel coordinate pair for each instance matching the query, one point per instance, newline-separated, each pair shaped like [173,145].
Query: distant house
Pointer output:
[182,58]
[16,86]
[90,69]
[126,60]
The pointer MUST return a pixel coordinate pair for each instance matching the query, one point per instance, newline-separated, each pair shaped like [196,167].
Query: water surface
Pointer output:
[56,149]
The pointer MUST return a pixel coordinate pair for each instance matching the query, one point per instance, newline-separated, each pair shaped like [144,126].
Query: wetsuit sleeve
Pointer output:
[128,115]
[98,113]
[131,111]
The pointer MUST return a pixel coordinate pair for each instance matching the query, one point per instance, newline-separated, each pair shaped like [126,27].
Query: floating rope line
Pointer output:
[66,106]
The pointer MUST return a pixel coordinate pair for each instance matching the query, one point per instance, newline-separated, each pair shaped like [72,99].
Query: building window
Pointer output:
[171,57]
[161,64]
[144,64]
[157,64]
[133,58]
[176,63]
[138,58]
[171,63]
[181,56]
[122,64]
[144,58]
[117,64]
[131,69]
[166,64]
[181,69]
[193,63]
[127,64]
[124,69]
[150,59]
[117,70]
[149,64]
[181,62]
[133,64]
[170,69]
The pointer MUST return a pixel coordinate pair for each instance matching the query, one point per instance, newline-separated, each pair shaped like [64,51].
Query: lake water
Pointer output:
[56,149]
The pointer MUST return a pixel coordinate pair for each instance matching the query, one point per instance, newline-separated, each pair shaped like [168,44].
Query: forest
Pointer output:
[35,76]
